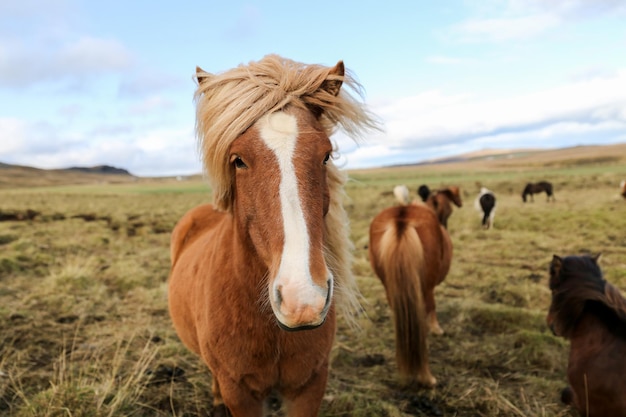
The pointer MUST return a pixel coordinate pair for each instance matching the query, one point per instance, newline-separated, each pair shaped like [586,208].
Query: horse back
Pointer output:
[191,226]
[425,222]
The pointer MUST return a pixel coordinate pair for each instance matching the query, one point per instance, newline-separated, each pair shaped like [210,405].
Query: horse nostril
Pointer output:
[279,296]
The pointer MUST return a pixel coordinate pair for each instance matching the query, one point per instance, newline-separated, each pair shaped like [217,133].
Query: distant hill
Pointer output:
[18,176]
[575,155]
[101,169]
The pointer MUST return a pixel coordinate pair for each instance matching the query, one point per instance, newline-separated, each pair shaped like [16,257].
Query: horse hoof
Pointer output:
[437,330]
[567,396]
[428,381]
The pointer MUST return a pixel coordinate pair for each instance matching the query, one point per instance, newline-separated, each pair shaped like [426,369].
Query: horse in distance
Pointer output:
[410,251]
[486,204]
[622,187]
[258,277]
[401,193]
[591,313]
[441,202]
[423,191]
[536,188]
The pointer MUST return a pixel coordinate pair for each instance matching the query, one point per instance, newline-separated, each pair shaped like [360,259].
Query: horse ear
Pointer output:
[202,75]
[332,85]
[555,269]
[596,258]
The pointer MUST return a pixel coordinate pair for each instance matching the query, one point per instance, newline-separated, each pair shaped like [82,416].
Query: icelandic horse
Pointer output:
[485,203]
[591,313]
[257,278]
[536,188]
[401,193]
[411,251]
[441,202]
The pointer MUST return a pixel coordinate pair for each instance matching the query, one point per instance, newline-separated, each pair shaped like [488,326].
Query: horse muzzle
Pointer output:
[301,307]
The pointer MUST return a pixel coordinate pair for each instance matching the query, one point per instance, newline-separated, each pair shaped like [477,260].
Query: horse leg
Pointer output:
[431,314]
[219,408]
[229,399]
[306,402]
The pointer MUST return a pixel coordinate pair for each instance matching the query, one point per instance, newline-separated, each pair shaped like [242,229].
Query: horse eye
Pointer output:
[239,163]
[326,158]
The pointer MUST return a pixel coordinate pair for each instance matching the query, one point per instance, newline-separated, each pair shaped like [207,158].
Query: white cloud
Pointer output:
[24,64]
[420,127]
[505,29]
[506,20]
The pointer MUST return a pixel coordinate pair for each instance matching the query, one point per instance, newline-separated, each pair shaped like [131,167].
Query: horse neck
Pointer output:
[597,322]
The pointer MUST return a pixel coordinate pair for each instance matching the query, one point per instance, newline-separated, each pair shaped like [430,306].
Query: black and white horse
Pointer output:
[486,203]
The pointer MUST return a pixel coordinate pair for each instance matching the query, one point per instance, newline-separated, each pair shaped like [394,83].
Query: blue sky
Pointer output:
[88,83]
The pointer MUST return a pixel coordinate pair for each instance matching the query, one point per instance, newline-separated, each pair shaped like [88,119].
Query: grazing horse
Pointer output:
[423,191]
[411,252]
[535,188]
[401,192]
[440,201]
[591,313]
[253,277]
[486,204]
[622,187]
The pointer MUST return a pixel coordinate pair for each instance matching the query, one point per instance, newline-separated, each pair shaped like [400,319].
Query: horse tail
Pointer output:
[401,257]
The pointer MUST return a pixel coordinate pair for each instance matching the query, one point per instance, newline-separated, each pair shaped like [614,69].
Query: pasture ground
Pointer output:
[85,329]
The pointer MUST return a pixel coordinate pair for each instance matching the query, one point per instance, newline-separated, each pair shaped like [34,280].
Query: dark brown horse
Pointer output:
[257,278]
[535,188]
[411,252]
[591,313]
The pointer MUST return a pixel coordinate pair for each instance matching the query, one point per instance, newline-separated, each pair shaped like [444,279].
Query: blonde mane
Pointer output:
[229,103]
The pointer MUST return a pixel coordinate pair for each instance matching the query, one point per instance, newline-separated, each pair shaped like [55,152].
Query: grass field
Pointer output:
[86,332]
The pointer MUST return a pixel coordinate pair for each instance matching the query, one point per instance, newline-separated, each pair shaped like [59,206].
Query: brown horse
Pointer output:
[539,187]
[253,276]
[411,252]
[622,187]
[591,313]
[441,202]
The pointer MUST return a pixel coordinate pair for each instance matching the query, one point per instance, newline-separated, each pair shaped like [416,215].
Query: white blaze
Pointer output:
[279,131]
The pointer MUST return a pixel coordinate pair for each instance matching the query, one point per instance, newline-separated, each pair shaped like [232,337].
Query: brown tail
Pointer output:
[401,259]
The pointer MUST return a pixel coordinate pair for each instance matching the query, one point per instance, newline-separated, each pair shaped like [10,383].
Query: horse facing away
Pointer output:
[401,192]
[486,204]
[591,313]
[535,188]
[257,278]
[410,251]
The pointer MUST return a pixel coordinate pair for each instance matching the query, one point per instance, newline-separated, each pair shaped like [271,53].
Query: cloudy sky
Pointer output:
[110,82]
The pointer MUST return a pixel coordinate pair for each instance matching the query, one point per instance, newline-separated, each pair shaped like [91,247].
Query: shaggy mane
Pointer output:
[577,282]
[229,103]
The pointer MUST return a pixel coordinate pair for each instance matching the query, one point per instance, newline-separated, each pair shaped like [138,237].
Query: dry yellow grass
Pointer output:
[86,332]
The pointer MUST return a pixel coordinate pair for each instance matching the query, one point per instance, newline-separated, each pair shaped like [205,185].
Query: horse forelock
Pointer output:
[228,104]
